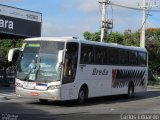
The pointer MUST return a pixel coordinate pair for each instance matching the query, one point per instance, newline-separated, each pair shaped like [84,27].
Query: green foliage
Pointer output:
[130,38]
[153,47]
[87,35]
[5,46]
[96,36]
[115,37]
[92,36]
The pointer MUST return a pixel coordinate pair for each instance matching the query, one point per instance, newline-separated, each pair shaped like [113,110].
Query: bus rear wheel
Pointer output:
[130,91]
[83,95]
[43,101]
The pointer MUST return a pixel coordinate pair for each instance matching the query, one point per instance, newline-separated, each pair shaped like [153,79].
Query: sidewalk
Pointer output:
[154,87]
[6,92]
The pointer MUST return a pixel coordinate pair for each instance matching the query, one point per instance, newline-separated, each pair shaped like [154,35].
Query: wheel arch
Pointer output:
[84,85]
[131,83]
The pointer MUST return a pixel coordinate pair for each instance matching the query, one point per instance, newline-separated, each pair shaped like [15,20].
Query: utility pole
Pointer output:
[103,26]
[143,33]
[105,23]
[145,7]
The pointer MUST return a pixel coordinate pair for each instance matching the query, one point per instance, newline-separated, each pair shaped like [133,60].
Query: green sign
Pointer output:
[33,45]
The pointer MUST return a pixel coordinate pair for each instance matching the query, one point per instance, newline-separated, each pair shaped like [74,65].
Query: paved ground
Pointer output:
[104,108]
[6,92]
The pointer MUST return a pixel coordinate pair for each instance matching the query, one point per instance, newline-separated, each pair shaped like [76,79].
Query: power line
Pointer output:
[132,8]
[146,8]
[122,6]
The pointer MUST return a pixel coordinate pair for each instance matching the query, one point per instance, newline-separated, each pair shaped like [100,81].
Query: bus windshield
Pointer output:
[39,61]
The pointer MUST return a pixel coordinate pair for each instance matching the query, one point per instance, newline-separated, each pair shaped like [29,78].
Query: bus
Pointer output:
[67,68]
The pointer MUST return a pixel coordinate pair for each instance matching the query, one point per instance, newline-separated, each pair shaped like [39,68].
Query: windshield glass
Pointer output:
[39,62]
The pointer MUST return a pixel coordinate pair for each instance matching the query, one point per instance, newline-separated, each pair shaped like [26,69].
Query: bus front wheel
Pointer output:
[83,95]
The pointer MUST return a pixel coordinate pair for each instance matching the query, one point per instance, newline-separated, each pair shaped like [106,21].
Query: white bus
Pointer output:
[67,68]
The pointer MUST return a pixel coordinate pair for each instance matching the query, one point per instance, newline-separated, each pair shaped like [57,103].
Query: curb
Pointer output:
[154,87]
[5,98]
[10,97]
[2,99]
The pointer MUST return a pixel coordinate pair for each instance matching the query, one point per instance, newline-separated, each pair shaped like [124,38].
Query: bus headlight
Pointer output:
[53,87]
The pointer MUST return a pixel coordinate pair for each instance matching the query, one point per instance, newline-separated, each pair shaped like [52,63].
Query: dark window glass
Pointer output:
[99,55]
[133,58]
[123,57]
[44,47]
[113,56]
[142,59]
[32,47]
[87,54]
[51,47]
[106,56]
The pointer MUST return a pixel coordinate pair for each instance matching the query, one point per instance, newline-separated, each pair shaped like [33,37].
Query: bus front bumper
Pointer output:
[46,94]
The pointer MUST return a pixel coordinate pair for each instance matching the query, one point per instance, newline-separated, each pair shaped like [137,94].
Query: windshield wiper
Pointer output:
[25,78]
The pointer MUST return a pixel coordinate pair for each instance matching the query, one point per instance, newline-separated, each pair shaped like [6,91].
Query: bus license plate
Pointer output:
[28,85]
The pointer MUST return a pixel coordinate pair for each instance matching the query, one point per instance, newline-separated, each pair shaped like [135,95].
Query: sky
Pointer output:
[74,17]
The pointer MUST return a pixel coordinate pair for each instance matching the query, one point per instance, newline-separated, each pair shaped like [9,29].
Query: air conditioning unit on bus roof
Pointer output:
[70,37]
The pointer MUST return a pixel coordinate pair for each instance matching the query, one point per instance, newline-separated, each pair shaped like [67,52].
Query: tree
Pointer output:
[130,38]
[92,36]
[87,35]
[96,36]
[153,47]
[5,46]
[115,37]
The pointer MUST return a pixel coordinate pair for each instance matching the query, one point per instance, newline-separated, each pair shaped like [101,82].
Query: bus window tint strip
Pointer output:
[101,55]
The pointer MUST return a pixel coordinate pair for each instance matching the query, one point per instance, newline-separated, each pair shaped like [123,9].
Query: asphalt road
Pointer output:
[104,108]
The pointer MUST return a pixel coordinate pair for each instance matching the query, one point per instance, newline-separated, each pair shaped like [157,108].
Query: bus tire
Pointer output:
[83,95]
[43,101]
[130,90]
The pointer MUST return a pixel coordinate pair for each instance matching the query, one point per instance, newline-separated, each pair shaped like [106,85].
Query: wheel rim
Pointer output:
[130,92]
[82,95]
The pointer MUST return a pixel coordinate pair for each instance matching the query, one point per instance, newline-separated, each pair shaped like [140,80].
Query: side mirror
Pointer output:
[13,54]
[61,55]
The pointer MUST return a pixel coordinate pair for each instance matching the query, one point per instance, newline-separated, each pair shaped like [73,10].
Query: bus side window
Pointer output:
[113,56]
[142,59]
[87,54]
[100,55]
[123,57]
[133,58]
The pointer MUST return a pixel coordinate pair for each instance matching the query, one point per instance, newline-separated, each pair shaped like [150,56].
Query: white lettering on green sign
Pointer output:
[33,45]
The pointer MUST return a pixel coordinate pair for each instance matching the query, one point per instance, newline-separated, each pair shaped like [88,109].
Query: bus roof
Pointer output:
[52,39]
[114,45]
[75,39]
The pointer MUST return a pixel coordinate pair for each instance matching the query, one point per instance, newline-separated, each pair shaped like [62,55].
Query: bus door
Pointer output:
[69,70]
